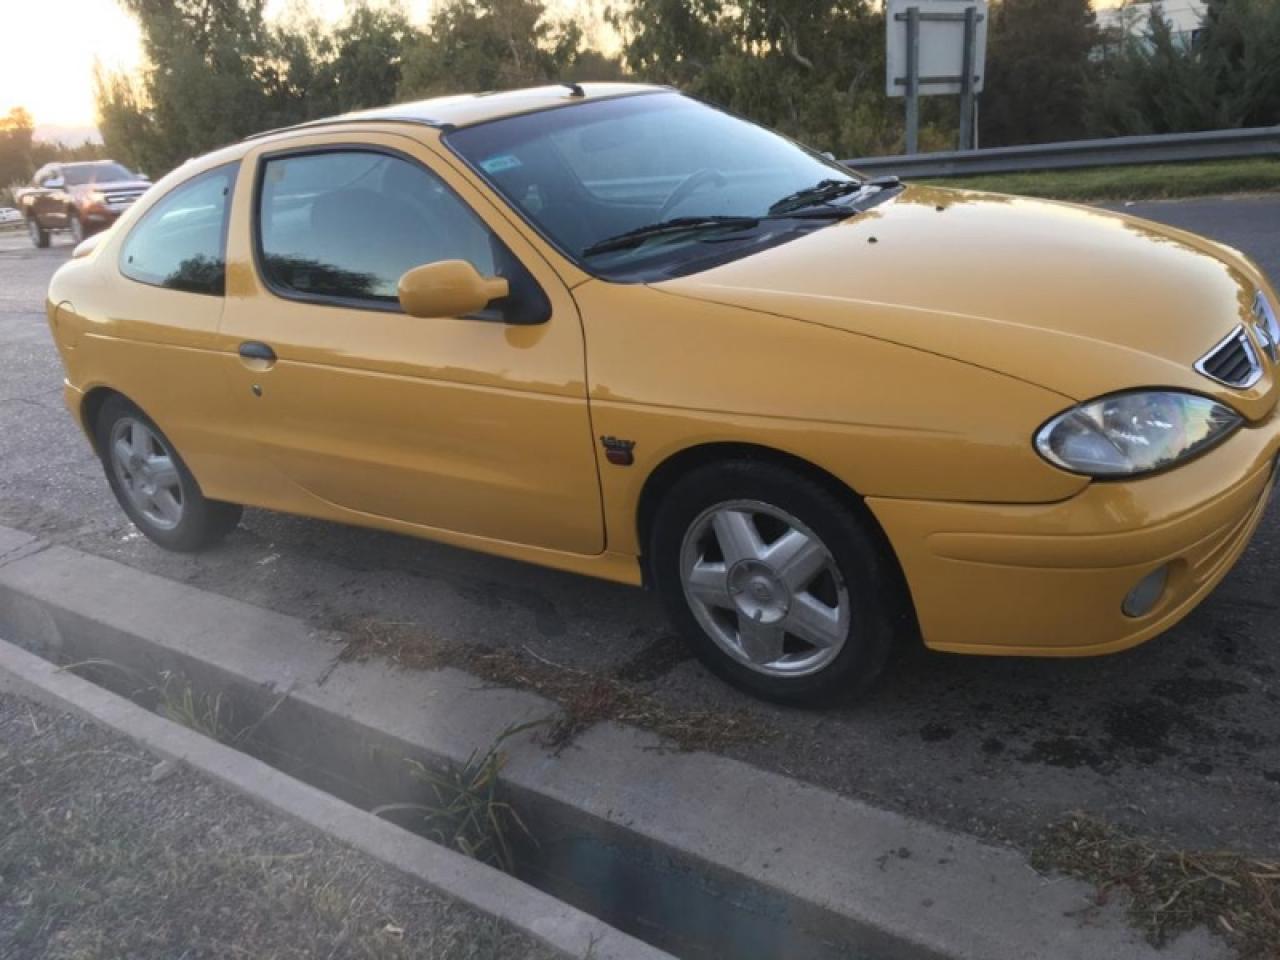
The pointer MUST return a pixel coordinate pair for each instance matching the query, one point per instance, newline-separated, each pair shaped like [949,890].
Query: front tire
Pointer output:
[38,234]
[76,225]
[780,588]
[154,486]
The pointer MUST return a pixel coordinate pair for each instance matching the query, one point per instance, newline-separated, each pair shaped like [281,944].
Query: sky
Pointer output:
[58,92]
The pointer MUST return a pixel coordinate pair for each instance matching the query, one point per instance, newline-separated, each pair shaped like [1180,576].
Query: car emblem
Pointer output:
[1266,327]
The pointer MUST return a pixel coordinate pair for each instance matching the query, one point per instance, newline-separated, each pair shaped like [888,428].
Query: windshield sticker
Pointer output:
[503,161]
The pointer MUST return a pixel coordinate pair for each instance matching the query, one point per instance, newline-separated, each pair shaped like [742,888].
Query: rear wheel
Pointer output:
[153,484]
[779,586]
[38,234]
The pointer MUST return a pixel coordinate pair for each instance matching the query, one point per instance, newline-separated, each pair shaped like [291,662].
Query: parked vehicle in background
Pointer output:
[9,215]
[81,198]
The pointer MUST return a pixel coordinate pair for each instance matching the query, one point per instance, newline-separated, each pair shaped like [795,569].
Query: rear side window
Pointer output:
[347,224]
[180,243]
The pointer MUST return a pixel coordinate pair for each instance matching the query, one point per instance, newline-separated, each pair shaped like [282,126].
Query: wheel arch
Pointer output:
[91,406]
[680,464]
[684,462]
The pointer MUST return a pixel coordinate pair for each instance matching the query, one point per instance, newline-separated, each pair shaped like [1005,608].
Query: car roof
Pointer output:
[468,109]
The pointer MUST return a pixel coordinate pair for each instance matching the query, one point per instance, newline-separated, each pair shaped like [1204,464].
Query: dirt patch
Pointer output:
[656,660]
[993,746]
[1171,890]
[1190,691]
[1068,752]
[584,698]
[104,853]
[1142,726]
[935,732]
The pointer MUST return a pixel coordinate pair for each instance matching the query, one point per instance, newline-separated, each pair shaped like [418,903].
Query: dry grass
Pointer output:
[584,698]
[171,695]
[203,713]
[466,811]
[1172,890]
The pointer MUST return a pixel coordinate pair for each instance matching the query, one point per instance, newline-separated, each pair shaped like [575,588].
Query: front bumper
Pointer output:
[102,214]
[1050,580]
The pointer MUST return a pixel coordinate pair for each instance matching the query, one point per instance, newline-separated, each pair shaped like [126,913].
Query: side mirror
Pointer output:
[448,288]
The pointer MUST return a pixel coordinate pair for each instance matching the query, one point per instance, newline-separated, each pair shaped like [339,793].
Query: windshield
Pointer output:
[595,171]
[105,172]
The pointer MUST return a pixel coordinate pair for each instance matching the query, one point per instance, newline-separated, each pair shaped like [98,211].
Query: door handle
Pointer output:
[256,350]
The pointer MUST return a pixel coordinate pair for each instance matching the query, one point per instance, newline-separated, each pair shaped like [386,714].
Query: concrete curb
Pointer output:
[837,870]
[559,926]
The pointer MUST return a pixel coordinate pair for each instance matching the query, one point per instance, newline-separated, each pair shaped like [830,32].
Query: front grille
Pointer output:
[1233,362]
[1268,327]
[123,196]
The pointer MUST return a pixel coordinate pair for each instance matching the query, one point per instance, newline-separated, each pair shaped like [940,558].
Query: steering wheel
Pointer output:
[687,186]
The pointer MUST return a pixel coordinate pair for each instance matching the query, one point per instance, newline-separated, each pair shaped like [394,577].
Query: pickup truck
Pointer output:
[81,198]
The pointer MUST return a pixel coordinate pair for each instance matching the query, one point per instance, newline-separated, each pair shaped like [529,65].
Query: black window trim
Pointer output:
[224,234]
[356,303]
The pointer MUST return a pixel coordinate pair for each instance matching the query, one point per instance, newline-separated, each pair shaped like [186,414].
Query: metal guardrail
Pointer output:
[1115,151]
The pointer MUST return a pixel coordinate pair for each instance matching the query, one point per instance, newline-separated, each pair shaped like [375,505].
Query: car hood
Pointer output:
[109,186]
[1077,300]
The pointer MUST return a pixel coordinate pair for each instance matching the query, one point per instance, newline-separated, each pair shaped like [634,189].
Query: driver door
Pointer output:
[476,425]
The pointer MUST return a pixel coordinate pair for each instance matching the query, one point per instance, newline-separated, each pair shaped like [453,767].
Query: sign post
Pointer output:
[936,47]
[913,79]
[966,79]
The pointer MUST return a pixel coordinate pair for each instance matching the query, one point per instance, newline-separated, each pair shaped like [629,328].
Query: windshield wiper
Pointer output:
[677,225]
[637,236]
[821,192]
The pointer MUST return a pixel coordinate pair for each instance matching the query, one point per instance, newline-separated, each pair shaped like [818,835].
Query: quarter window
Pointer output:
[347,224]
[180,243]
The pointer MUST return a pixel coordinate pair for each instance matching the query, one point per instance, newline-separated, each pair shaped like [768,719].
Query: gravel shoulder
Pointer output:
[106,853]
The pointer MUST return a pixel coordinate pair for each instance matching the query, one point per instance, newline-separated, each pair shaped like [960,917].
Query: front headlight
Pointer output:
[1127,434]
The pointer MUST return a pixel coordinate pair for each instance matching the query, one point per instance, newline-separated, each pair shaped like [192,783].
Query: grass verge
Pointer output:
[461,808]
[1171,890]
[100,862]
[584,698]
[1136,182]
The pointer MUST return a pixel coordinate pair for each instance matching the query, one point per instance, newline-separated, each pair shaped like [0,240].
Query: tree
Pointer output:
[494,45]
[1229,76]
[1151,83]
[1038,63]
[812,70]
[16,131]
[369,47]
[216,70]
[1239,47]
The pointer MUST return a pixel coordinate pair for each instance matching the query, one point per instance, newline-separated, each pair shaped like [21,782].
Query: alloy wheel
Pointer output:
[765,588]
[147,473]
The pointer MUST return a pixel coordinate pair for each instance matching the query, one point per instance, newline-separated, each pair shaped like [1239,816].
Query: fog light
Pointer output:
[1143,598]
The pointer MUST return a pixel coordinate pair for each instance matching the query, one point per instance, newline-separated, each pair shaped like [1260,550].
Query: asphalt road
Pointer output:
[1180,737]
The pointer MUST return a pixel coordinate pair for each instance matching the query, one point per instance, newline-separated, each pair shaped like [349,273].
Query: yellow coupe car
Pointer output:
[611,329]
